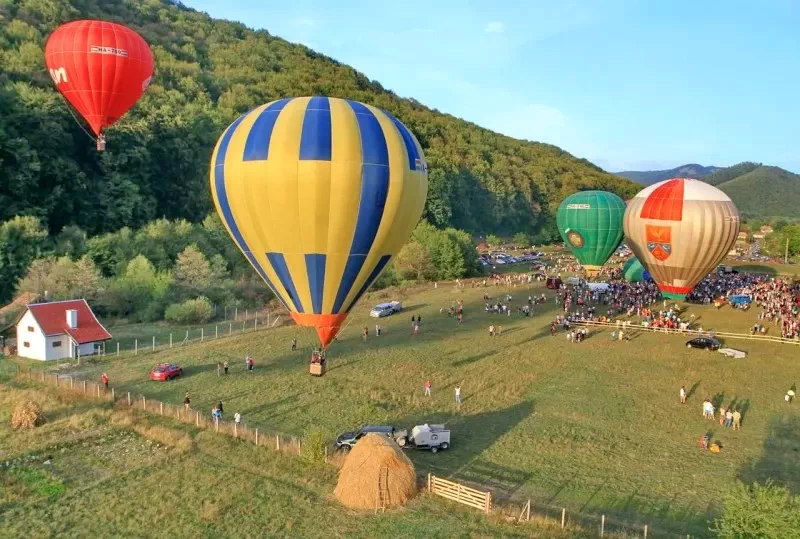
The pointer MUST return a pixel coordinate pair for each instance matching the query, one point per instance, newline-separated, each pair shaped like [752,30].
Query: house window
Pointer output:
[30,329]
[26,344]
[56,344]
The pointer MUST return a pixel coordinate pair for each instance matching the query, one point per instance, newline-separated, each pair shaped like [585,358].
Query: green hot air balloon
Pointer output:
[633,271]
[590,223]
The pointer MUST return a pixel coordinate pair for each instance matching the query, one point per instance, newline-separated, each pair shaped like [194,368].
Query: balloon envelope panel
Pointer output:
[680,229]
[319,193]
[590,223]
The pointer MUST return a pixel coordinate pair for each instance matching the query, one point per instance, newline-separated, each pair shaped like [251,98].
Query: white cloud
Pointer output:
[495,27]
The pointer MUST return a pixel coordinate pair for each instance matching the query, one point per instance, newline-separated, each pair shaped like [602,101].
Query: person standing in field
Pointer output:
[789,395]
[416,329]
[186,401]
[427,388]
[737,420]
[378,329]
[458,395]
[294,344]
[104,379]
[250,364]
[364,333]
[237,418]
[219,409]
[225,366]
[683,395]
[728,418]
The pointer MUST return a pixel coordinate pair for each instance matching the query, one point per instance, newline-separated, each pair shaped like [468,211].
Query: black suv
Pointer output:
[347,440]
[705,343]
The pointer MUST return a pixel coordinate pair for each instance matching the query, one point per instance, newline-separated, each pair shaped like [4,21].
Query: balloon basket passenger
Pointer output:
[317,366]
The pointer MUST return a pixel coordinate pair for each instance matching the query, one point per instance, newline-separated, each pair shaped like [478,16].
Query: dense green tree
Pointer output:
[141,292]
[413,262]
[21,239]
[763,511]
[63,278]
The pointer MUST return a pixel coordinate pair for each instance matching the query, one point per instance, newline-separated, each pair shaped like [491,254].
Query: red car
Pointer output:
[165,371]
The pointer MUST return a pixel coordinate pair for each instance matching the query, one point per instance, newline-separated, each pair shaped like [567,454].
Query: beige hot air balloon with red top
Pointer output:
[680,229]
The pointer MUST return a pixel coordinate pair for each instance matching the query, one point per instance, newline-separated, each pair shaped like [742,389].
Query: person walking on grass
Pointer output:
[225,366]
[728,418]
[364,333]
[250,364]
[722,416]
[237,418]
[294,344]
[416,329]
[427,388]
[378,330]
[104,379]
[219,409]
[789,395]
[683,395]
[186,401]
[458,395]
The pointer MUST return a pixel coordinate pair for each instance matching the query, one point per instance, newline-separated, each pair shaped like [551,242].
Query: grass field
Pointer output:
[93,472]
[594,427]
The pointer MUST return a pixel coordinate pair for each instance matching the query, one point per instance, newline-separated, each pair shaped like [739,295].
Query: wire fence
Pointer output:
[628,326]
[88,389]
[174,339]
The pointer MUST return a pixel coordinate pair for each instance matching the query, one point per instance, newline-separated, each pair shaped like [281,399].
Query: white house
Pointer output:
[59,330]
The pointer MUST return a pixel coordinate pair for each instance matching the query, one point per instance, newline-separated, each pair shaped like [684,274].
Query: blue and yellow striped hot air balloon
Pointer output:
[319,193]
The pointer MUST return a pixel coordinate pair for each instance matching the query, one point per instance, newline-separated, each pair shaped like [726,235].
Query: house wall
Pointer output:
[58,352]
[36,340]
[87,349]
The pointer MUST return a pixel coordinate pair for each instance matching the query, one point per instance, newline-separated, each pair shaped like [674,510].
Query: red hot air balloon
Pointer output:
[101,68]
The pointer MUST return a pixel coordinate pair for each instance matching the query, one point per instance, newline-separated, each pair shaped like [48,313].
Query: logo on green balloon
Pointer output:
[575,239]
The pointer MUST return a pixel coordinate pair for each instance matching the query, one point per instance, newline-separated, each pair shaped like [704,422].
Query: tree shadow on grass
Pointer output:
[692,389]
[473,359]
[780,460]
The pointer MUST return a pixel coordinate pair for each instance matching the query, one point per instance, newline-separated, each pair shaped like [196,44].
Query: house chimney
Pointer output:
[72,318]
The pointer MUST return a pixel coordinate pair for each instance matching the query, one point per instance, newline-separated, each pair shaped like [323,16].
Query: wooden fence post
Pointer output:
[202,335]
[528,511]
[84,386]
[236,314]
[216,425]
[255,325]
[117,348]
[256,437]
[488,502]
[162,407]
[170,339]
[129,399]
[645,531]
[56,379]
[602,525]
[429,481]
[112,395]
[235,430]
[71,379]
[230,328]
[563,516]
[144,403]
[244,324]
[98,390]
[136,347]
[277,442]
[197,418]
[216,332]
[326,454]
[154,343]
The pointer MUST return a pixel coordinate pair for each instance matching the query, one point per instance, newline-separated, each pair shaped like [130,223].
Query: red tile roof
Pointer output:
[52,317]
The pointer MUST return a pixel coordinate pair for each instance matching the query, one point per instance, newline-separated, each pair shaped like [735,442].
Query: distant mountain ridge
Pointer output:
[760,191]
[649,177]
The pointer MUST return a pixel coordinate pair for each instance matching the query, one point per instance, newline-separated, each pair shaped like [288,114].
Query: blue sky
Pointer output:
[627,84]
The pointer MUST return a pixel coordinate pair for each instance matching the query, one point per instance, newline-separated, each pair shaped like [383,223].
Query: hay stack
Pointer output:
[26,415]
[358,479]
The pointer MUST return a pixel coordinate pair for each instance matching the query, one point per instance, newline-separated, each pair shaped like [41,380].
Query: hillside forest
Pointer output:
[207,73]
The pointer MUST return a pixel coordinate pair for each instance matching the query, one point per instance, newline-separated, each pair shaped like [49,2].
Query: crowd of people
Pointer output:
[777,298]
